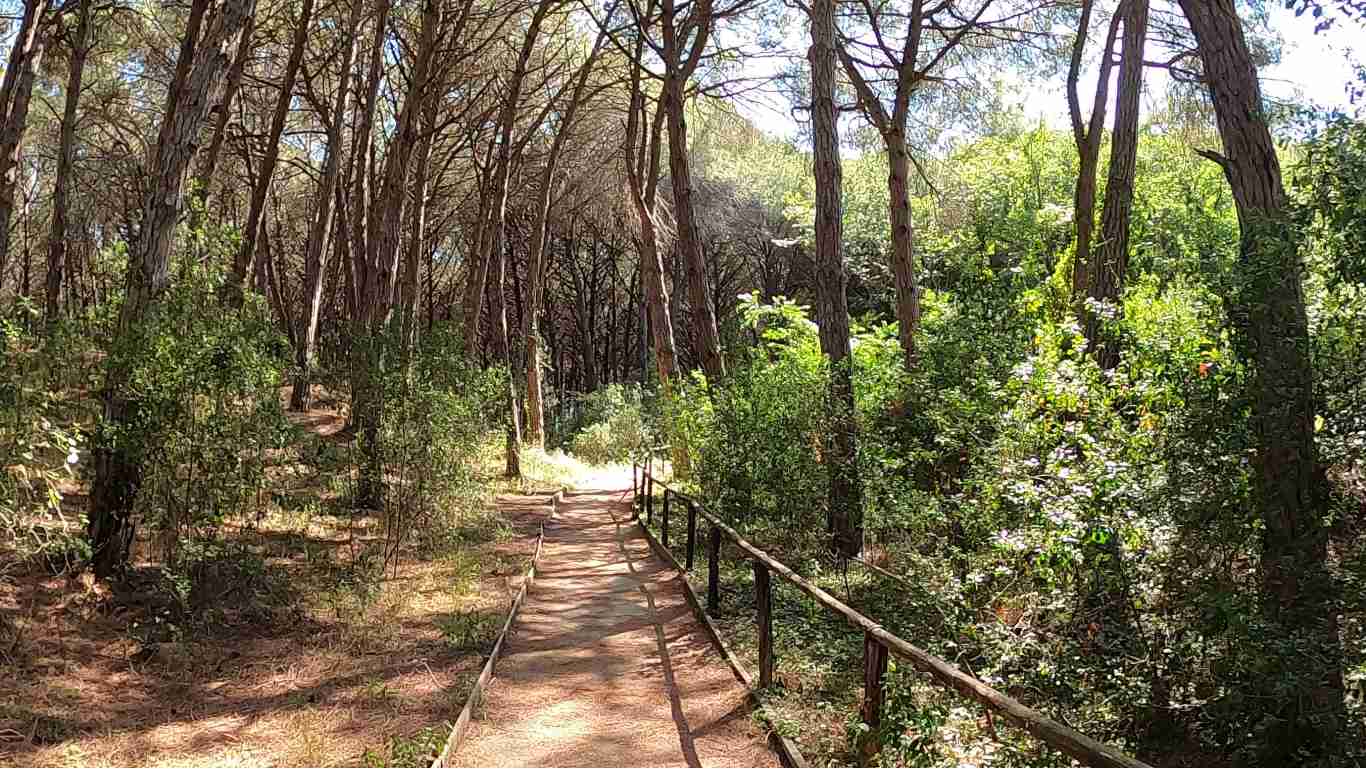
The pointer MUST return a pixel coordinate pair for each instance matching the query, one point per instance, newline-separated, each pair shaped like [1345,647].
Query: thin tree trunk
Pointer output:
[507,119]
[1107,278]
[12,135]
[845,500]
[1087,137]
[538,237]
[502,351]
[381,265]
[417,240]
[903,244]
[315,259]
[246,256]
[66,152]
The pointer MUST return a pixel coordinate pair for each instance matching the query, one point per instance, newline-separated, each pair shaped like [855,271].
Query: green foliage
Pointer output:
[1087,540]
[616,425]
[203,390]
[436,416]
[40,440]
[418,749]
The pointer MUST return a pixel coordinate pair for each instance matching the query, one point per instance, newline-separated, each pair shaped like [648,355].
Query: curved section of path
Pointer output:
[606,665]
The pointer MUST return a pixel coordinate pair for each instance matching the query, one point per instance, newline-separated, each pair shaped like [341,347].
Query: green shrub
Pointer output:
[616,425]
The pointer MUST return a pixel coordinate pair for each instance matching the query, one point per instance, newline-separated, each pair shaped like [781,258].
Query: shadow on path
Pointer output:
[606,665]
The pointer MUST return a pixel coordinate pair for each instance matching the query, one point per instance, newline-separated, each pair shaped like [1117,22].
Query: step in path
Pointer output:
[606,665]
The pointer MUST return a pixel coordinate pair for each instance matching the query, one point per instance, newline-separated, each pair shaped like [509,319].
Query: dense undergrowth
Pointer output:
[246,535]
[1084,539]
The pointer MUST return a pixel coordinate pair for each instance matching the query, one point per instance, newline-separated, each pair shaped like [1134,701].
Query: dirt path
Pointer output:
[606,665]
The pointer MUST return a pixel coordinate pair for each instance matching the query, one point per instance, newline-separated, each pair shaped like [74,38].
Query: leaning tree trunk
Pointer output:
[66,152]
[507,118]
[315,259]
[705,335]
[12,138]
[832,309]
[380,265]
[246,256]
[19,71]
[1299,595]
[119,454]
[208,164]
[679,63]
[1107,275]
[535,277]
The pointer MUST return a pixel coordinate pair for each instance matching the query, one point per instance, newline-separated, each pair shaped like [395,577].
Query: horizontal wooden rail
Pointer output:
[1054,734]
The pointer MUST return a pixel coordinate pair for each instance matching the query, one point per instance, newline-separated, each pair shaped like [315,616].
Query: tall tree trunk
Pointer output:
[507,120]
[208,164]
[502,349]
[118,455]
[1107,277]
[315,259]
[832,309]
[66,152]
[1298,592]
[538,237]
[903,243]
[417,240]
[246,256]
[16,119]
[380,264]
[1087,137]
[679,65]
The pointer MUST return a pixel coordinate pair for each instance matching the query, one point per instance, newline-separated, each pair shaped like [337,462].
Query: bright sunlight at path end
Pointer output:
[606,665]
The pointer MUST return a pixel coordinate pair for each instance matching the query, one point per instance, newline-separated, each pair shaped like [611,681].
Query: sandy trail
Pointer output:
[606,665]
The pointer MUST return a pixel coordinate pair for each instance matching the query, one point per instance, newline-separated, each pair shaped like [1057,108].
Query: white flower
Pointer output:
[73,457]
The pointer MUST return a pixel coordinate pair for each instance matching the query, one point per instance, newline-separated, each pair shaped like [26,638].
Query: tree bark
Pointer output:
[208,165]
[1299,594]
[380,266]
[1087,137]
[417,240]
[66,153]
[903,244]
[535,292]
[25,59]
[118,455]
[679,65]
[507,119]
[246,256]
[315,259]
[832,309]
[1107,278]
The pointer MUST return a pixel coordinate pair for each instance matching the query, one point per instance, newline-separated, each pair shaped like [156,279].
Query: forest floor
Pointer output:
[606,665]
[301,660]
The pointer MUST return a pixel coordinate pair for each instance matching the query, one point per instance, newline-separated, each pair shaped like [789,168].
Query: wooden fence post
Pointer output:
[664,524]
[763,599]
[649,497]
[874,671]
[714,572]
[692,531]
[635,489]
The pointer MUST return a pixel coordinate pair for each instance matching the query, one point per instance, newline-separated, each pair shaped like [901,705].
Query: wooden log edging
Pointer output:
[787,749]
[462,723]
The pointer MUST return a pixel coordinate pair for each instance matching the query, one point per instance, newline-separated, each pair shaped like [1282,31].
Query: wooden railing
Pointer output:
[877,641]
